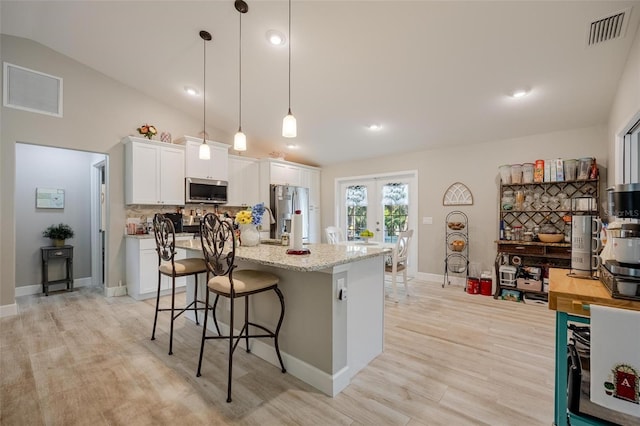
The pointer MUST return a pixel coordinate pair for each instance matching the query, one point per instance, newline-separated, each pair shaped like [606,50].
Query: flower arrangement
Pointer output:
[252,216]
[147,130]
[58,232]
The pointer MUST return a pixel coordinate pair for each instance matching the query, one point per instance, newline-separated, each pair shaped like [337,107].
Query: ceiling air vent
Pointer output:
[608,28]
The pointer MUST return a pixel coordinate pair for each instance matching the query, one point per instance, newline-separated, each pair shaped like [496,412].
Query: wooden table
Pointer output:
[53,252]
[571,298]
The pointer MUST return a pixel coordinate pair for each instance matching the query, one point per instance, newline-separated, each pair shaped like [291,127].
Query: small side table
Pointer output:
[50,253]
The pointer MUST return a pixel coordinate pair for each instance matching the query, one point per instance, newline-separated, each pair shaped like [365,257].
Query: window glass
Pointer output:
[631,155]
[395,200]
[356,201]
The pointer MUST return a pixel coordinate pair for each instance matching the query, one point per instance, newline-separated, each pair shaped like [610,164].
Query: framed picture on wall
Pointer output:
[49,198]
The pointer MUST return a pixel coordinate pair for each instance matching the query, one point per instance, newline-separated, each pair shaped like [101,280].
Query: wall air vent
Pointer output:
[608,28]
[31,90]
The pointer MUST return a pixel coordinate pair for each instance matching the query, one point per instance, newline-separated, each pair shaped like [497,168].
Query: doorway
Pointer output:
[76,174]
[384,204]
[99,222]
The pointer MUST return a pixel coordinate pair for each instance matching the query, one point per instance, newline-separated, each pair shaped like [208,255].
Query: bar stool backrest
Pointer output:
[218,245]
[165,237]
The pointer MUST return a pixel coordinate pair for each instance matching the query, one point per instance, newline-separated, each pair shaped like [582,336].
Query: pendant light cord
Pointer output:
[240,76]
[204,91]
[289,56]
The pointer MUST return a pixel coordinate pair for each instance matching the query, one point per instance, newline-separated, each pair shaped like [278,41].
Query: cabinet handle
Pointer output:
[579,305]
[520,247]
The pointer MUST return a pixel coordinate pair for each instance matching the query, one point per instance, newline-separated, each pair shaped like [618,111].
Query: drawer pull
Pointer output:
[579,305]
[58,253]
[520,247]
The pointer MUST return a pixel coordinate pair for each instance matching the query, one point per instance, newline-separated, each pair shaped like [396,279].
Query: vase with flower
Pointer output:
[248,222]
[147,130]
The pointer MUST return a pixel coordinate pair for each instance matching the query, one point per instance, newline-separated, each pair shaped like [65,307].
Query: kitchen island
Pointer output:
[334,308]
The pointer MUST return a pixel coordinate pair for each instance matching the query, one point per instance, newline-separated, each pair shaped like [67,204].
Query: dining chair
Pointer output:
[219,249]
[165,235]
[334,234]
[398,263]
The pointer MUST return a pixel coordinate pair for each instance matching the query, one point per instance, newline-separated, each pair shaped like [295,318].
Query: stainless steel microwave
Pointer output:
[207,191]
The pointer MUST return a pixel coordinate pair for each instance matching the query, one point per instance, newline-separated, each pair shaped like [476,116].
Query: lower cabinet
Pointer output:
[142,268]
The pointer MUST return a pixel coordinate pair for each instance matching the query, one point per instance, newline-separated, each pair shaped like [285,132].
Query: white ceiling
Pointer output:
[431,73]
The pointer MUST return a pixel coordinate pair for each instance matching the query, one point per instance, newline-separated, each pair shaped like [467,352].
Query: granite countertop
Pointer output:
[323,256]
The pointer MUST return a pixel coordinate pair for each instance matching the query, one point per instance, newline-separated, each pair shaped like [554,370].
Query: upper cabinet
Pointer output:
[216,167]
[244,178]
[285,174]
[150,173]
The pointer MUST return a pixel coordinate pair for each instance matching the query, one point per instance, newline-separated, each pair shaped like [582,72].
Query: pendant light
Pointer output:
[240,139]
[205,151]
[289,126]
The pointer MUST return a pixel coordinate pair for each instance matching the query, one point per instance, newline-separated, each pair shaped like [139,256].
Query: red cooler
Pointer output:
[473,286]
[485,286]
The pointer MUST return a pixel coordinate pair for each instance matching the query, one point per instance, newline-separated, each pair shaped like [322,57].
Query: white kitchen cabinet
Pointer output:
[285,174]
[151,174]
[141,269]
[244,181]
[215,168]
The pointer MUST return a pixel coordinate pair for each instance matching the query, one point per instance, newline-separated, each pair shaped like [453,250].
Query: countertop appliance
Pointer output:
[623,279]
[205,191]
[176,218]
[284,201]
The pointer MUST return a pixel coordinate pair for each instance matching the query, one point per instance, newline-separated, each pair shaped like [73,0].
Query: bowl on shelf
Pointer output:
[456,226]
[551,238]
[457,245]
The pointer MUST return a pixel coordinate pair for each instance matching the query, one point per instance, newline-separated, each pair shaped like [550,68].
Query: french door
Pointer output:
[383,204]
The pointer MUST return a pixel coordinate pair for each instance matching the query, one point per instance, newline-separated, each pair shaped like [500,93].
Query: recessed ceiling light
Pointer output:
[292,146]
[275,37]
[374,127]
[520,93]
[191,91]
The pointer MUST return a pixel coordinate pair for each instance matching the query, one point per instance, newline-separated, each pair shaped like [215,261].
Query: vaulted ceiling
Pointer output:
[430,73]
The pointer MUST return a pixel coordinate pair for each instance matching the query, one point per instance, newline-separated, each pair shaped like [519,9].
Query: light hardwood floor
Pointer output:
[450,359]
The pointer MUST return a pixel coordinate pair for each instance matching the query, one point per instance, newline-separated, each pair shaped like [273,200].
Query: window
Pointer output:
[631,155]
[395,201]
[356,211]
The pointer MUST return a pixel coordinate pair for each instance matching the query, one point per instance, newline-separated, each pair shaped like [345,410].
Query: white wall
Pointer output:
[477,167]
[626,104]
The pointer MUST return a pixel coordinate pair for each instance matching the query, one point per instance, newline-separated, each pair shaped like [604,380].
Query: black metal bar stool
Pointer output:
[167,265]
[219,247]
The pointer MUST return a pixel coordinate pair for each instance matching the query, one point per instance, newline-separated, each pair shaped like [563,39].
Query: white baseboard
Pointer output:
[27,290]
[116,291]
[328,384]
[8,310]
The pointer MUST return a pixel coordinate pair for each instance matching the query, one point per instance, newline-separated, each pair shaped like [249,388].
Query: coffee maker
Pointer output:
[621,274]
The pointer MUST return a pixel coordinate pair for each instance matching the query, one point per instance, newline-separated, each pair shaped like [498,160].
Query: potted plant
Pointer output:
[58,233]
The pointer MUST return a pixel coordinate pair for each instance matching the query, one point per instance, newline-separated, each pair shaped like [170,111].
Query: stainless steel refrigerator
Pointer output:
[285,200]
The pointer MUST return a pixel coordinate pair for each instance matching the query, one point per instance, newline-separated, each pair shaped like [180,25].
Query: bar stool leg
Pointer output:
[173,307]
[195,299]
[231,299]
[155,319]
[277,333]
[204,332]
